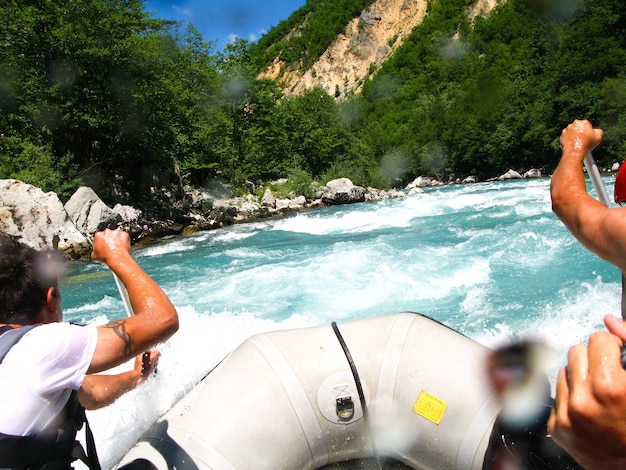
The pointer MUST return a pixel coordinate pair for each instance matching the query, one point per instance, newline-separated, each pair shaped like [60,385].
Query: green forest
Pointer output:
[100,93]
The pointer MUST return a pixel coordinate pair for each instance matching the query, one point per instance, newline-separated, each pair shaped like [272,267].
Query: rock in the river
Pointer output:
[342,191]
[510,175]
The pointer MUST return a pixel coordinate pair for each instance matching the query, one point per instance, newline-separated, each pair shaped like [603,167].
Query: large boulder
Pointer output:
[128,214]
[510,175]
[342,191]
[89,213]
[423,181]
[38,219]
[199,200]
[268,200]
[375,194]
[533,173]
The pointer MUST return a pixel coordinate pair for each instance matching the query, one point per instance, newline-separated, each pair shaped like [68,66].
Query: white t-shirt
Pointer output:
[39,373]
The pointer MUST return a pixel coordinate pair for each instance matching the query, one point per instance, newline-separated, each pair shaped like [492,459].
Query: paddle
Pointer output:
[145,357]
[124,295]
[596,179]
[122,290]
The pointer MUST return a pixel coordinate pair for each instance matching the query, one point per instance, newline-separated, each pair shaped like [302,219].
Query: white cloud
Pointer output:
[182,11]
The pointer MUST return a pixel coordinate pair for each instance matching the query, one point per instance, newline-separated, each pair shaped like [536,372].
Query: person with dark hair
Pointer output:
[49,369]
[588,418]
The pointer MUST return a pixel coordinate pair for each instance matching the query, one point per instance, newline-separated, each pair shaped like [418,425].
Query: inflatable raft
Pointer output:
[395,391]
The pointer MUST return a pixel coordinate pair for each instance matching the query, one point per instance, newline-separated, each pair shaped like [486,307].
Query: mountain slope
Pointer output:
[367,42]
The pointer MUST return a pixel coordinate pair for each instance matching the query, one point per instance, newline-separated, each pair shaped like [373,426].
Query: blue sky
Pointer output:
[223,20]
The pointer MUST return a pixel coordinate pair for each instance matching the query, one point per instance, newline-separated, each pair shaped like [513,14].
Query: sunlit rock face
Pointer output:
[39,219]
[366,43]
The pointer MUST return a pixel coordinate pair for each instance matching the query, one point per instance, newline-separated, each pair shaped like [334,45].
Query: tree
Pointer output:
[79,79]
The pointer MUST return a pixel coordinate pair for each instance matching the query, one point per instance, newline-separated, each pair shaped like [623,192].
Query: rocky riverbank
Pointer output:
[41,220]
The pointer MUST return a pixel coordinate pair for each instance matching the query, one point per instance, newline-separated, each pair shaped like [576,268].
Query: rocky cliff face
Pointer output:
[367,42]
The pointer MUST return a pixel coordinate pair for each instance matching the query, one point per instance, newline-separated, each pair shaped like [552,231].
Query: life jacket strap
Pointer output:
[10,336]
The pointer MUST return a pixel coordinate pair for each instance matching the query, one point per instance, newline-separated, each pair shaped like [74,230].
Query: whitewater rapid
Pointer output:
[489,260]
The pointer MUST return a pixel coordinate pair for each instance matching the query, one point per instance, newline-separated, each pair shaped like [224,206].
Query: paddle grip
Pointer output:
[624,356]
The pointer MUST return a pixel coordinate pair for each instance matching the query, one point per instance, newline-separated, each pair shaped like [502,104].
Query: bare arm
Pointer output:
[600,229]
[155,318]
[98,391]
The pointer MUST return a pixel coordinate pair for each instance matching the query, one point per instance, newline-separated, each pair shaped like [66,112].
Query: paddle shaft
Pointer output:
[596,180]
[124,295]
[145,357]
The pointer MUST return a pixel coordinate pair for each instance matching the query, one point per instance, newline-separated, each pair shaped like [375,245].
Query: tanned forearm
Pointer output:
[589,220]
[99,391]
[155,318]
[567,187]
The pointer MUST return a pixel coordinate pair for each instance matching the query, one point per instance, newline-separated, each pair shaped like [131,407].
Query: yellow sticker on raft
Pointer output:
[430,407]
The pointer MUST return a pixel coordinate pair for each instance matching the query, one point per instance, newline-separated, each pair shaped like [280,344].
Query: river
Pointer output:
[490,260]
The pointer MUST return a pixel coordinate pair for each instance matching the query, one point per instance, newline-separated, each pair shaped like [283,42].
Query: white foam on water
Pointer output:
[162,249]
[233,235]
[85,313]
[196,241]
[346,222]
[578,313]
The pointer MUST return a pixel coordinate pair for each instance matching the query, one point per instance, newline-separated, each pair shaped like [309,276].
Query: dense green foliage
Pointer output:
[499,94]
[301,40]
[97,92]
[100,92]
